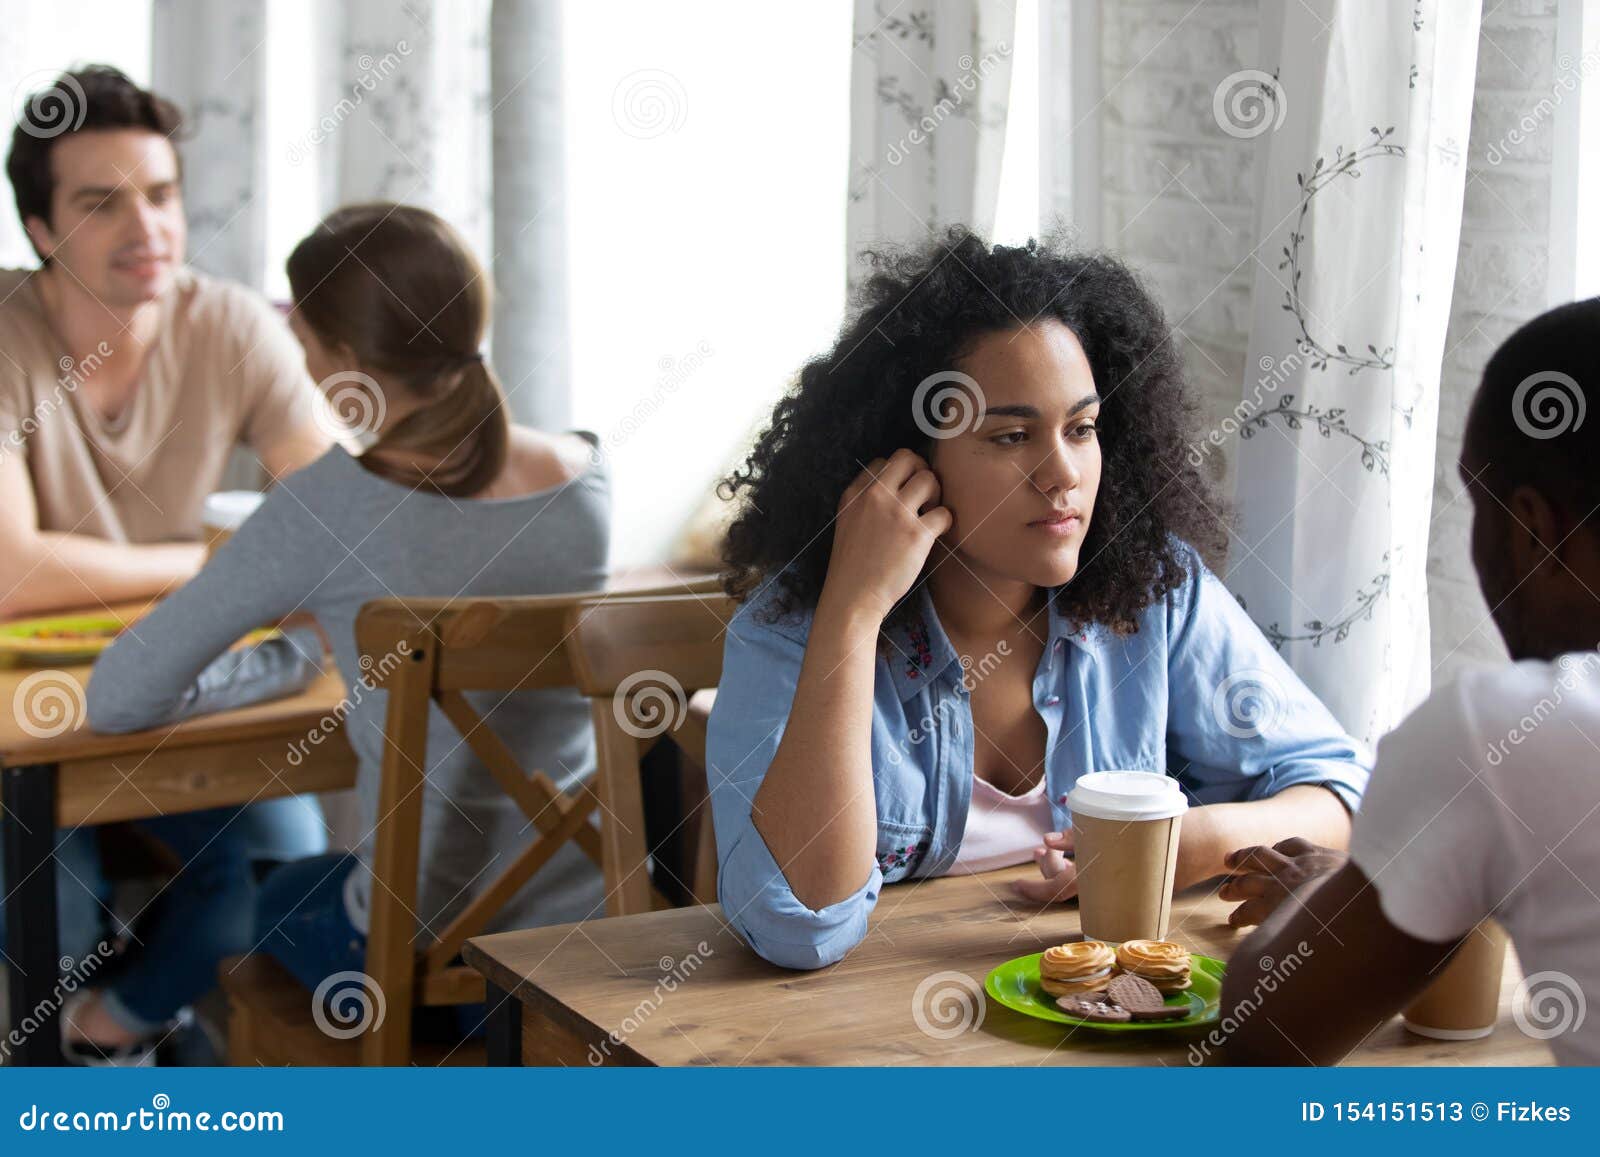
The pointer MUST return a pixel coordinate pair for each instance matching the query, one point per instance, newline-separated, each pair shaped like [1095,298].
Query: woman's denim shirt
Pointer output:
[1196,693]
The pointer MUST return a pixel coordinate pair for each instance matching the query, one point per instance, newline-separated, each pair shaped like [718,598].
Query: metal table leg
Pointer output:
[504,1031]
[32,941]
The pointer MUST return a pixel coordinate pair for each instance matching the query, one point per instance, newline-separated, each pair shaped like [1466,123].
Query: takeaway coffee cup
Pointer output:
[224,512]
[1125,835]
[1463,1002]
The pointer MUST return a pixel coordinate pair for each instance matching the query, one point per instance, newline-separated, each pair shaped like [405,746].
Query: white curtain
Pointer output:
[411,105]
[929,86]
[210,60]
[1360,113]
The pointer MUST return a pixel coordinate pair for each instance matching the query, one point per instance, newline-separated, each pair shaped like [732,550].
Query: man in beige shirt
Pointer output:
[125,381]
[125,378]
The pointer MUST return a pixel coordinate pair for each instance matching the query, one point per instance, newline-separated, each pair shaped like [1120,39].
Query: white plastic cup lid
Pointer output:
[1127,795]
[227,509]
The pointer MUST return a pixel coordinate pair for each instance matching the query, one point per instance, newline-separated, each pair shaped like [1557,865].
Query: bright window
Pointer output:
[708,147]
[39,41]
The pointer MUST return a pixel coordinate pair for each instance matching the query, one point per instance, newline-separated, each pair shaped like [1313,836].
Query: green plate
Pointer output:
[62,640]
[57,640]
[1015,984]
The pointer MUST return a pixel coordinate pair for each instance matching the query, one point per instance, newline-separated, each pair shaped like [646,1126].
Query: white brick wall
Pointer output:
[1178,206]
[1177,201]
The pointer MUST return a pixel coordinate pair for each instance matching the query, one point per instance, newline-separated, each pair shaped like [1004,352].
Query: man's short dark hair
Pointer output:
[95,97]
[1536,419]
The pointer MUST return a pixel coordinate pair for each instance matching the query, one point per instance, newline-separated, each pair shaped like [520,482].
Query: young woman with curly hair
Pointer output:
[967,551]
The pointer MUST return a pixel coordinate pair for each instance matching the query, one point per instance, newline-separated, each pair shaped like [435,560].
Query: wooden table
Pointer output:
[679,988]
[79,777]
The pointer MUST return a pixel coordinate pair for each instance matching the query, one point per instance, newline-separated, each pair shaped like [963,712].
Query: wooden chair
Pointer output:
[645,662]
[449,647]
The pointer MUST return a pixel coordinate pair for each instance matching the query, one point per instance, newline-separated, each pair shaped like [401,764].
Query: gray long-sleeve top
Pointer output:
[327,539]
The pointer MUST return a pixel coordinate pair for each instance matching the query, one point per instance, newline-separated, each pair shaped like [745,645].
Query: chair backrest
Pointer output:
[639,658]
[423,651]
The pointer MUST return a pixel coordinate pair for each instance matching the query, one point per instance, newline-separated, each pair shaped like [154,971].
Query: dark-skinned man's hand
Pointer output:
[1263,877]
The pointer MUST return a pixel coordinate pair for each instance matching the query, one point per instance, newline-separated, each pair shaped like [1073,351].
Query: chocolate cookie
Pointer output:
[1164,1012]
[1088,1008]
[1142,999]
[1134,993]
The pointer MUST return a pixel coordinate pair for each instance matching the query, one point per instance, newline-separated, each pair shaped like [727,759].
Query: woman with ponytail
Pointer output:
[446,498]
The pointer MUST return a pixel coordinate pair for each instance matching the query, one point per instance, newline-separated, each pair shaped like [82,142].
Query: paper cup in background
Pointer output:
[1463,1002]
[224,512]
[1125,826]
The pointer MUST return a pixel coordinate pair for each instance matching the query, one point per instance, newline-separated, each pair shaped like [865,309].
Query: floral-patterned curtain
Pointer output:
[1361,114]
[408,85]
[929,85]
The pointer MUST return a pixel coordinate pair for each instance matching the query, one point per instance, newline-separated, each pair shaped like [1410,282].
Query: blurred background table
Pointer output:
[57,774]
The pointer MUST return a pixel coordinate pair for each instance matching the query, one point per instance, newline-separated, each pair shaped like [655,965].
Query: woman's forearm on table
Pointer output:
[816,808]
[1209,833]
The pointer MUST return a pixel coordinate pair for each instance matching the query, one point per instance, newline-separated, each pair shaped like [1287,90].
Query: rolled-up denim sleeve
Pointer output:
[760,669]
[1242,721]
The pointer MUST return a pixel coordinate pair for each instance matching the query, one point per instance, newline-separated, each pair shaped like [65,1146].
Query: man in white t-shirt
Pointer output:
[1486,800]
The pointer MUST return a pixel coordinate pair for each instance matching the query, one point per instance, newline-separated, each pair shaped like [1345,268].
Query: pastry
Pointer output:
[1077,968]
[1161,962]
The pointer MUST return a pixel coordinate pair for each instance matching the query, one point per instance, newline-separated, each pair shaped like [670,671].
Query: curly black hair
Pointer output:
[919,312]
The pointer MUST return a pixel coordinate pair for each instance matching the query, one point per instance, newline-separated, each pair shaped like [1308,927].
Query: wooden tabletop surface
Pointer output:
[42,716]
[679,988]
[19,746]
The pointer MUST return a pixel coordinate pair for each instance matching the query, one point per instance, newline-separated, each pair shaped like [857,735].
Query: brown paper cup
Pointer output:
[223,513]
[1463,1002]
[215,537]
[1125,839]
[1125,874]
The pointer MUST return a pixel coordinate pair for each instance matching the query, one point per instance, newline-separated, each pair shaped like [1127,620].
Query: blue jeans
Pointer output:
[301,919]
[201,916]
[302,922]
